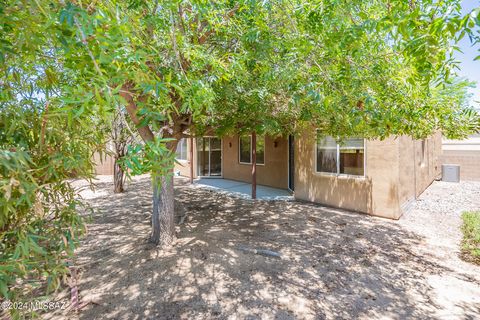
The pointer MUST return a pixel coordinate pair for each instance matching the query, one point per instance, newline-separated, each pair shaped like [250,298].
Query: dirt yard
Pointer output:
[334,263]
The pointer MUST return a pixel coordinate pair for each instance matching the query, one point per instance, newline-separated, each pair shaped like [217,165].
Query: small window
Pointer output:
[181,153]
[345,158]
[352,156]
[327,157]
[245,149]
[260,150]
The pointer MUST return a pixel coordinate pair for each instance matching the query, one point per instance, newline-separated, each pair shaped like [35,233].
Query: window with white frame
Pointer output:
[346,157]
[181,153]
[245,149]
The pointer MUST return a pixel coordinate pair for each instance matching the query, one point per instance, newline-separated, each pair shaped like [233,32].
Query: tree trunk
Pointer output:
[191,159]
[163,217]
[118,178]
[254,165]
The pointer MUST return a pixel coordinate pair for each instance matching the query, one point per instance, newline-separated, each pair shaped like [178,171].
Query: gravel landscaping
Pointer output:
[333,264]
[436,215]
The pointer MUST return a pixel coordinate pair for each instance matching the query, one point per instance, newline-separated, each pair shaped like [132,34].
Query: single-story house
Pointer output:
[376,177]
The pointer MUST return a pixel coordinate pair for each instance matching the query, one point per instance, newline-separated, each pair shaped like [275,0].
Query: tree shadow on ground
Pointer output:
[334,263]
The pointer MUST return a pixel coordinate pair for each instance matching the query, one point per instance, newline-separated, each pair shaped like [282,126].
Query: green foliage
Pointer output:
[373,68]
[471,236]
[150,157]
[39,223]
[48,134]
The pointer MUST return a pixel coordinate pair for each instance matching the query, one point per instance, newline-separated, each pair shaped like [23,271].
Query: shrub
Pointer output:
[39,220]
[471,236]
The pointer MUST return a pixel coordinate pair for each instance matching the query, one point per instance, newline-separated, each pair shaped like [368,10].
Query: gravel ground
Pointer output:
[334,264]
[436,214]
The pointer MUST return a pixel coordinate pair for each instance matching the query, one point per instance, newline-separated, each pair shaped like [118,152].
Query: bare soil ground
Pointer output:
[334,263]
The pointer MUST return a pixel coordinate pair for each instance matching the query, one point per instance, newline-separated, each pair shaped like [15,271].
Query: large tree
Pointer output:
[373,68]
[350,67]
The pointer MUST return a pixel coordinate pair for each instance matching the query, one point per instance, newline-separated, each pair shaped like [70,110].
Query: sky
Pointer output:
[469,68]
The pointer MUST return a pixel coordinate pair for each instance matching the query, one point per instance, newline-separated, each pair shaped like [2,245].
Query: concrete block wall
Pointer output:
[469,162]
[465,153]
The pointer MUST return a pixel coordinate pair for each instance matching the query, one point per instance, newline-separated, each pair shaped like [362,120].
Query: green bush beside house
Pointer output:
[471,236]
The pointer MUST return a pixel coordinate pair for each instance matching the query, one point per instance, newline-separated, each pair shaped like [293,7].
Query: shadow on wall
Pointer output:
[344,192]
[334,263]
[273,173]
[381,192]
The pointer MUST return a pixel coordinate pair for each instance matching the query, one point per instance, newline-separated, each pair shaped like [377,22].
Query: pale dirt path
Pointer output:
[436,216]
[335,264]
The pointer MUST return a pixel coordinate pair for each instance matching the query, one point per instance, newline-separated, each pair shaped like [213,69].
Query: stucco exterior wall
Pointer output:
[103,164]
[469,161]
[419,166]
[406,192]
[395,172]
[182,167]
[338,191]
[273,173]
[465,153]
[382,172]
[428,167]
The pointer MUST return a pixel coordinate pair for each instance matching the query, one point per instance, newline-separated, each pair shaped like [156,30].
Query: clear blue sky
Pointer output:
[469,68]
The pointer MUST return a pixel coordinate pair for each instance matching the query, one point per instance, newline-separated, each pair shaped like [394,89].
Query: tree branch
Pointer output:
[84,41]
[145,131]
[204,37]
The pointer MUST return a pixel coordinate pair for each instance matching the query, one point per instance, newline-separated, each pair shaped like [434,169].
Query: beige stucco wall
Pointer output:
[382,171]
[392,176]
[406,192]
[395,172]
[273,173]
[345,192]
[430,168]
[469,161]
[419,166]
[183,166]
[103,164]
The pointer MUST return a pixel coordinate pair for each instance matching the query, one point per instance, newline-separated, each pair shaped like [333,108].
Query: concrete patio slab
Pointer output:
[242,189]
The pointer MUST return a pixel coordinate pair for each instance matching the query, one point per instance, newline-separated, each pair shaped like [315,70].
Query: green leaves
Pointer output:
[152,157]
[47,136]
[35,208]
[351,68]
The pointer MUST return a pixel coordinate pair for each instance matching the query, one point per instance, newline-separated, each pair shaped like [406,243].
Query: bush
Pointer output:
[39,220]
[471,236]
